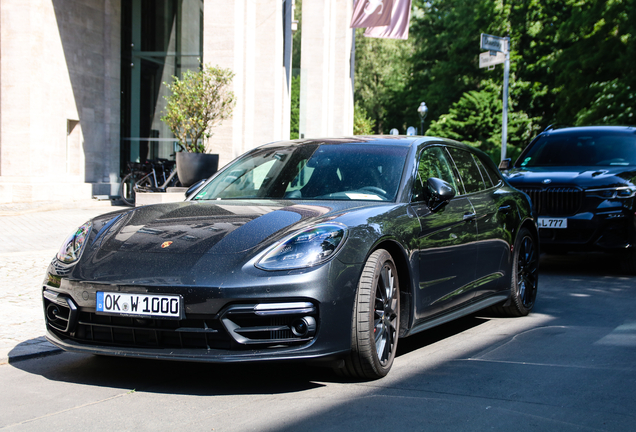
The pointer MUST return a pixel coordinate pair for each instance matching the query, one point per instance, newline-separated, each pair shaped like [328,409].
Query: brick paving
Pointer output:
[30,235]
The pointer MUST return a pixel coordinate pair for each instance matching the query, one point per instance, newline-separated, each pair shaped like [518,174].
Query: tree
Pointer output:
[294,121]
[476,119]
[362,123]
[382,69]
[199,101]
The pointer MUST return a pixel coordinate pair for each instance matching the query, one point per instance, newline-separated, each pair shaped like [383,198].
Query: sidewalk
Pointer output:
[31,234]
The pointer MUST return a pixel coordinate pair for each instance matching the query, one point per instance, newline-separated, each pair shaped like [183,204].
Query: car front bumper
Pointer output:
[220,324]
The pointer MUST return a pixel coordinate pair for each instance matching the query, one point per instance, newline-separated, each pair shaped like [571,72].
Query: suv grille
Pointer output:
[555,201]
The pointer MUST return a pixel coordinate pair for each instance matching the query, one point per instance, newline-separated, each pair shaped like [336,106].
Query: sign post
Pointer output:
[499,53]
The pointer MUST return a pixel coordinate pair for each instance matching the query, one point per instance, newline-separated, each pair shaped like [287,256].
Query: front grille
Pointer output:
[555,201]
[149,333]
[239,326]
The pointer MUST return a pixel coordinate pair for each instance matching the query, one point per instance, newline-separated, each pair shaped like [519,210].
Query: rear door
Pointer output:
[488,201]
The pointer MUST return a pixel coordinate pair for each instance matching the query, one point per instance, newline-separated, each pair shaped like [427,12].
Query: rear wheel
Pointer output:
[376,319]
[126,188]
[525,277]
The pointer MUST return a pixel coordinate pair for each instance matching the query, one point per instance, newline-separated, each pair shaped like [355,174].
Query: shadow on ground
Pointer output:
[174,377]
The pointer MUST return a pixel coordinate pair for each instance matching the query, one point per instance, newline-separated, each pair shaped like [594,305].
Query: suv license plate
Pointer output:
[149,305]
[546,222]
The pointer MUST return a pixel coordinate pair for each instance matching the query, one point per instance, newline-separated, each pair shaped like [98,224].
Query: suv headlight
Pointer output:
[72,248]
[610,193]
[306,248]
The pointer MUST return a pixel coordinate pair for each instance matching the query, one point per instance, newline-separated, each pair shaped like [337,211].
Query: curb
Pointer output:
[22,357]
[38,347]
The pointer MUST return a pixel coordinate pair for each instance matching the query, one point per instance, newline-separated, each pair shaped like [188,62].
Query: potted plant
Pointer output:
[199,100]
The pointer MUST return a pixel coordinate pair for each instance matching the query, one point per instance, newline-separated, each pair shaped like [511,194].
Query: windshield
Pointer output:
[586,149]
[312,171]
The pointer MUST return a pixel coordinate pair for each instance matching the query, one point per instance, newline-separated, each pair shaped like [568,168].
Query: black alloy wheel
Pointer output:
[525,276]
[376,319]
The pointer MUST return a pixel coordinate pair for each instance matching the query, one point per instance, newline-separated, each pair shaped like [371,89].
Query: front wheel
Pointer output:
[376,319]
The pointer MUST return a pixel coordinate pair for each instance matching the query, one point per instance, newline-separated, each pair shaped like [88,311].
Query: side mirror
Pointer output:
[505,165]
[439,193]
[194,187]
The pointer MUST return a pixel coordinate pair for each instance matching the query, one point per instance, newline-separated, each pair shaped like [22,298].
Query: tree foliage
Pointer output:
[572,62]
[362,123]
[198,101]
[294,121]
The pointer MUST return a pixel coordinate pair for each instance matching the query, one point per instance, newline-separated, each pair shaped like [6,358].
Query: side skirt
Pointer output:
[471,308]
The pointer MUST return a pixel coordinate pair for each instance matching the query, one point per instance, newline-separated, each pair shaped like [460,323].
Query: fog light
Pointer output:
[52,311]
[304,327]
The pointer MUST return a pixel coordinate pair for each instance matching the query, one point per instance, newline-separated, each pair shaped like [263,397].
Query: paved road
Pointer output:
[569,366]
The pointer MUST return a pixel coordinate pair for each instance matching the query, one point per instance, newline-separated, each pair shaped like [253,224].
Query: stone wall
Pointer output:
[59,99]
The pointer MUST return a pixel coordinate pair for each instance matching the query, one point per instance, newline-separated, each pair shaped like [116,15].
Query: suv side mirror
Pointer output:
[439,193]
[505,165]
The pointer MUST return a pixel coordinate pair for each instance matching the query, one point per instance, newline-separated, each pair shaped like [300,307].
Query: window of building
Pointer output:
[160,39]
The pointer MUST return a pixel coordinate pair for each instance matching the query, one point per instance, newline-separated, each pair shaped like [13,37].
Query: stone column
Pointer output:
[247,36]
[326,90]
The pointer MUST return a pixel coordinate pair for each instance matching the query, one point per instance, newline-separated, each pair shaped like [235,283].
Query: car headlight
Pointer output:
[306,248]
[72,248]
[610,193]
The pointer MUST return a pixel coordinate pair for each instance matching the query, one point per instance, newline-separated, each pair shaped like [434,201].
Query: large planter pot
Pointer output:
[192,167]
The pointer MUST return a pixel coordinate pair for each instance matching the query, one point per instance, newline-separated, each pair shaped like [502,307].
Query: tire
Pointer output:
[128,184]
[376,320]
[145,184]
[126,188]
[525,277]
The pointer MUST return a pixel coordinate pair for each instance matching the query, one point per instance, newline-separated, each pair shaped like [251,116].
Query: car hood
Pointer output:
[584,177]
[212,227]
[200,242]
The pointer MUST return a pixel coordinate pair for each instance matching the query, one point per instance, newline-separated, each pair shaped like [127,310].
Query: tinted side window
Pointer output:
[434,162]
[488,173]
[470,174]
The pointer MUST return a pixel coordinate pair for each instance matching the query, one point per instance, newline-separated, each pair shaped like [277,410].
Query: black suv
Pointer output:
[582,182]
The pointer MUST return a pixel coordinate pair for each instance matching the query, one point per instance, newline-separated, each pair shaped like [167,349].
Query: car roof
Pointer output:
[587,129]
[392,140]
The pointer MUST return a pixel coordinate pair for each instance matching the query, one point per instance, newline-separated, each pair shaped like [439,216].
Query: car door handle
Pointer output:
[469,217]
[505,209]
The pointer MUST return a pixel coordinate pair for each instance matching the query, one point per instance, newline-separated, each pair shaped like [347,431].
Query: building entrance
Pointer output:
[160,39]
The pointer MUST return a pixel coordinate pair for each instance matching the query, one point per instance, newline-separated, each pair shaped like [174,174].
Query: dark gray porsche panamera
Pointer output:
[324,250]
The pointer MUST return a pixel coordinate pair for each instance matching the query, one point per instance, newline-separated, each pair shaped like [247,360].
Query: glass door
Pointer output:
[160,39]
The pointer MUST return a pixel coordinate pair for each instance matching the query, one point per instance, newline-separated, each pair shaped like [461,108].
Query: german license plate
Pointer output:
[150,305]
[548,222]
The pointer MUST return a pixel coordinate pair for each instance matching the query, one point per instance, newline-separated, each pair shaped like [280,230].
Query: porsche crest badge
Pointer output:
[165,244]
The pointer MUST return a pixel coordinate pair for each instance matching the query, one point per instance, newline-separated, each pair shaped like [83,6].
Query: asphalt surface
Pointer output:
[30,236]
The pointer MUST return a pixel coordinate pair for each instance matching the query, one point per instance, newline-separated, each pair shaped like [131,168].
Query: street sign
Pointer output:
[493,43]
[486,59]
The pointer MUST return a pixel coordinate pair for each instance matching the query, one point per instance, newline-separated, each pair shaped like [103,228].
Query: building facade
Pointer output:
[81,83]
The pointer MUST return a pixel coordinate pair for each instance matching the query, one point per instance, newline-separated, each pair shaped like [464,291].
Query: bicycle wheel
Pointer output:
[126,189]
[145,184]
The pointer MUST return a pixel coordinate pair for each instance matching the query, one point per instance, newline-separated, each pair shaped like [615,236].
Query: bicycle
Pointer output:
[136,171]
[162,170]
[145,177]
